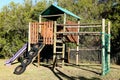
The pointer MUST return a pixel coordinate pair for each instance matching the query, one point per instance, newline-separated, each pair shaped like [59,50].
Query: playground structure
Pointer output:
[50,32]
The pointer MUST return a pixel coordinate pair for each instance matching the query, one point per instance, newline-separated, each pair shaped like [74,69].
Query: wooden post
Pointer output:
[54,44]
[103,46]
[63,51]
[77,57]
[29,37]
[68,55]
[39,31]
[109,24]
[40,18]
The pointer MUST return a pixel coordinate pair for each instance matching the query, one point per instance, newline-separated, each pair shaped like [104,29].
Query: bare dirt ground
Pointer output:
[68,72]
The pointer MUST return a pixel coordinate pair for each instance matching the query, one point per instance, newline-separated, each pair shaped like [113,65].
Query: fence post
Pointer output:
[103,46]
[109,24]
[77,57]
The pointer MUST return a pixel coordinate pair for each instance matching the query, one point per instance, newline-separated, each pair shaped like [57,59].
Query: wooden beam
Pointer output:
[57,15]
[81,25]
[39,30]
[54,44]
[68,55]
[87,49]
[29,37]
[109,25]
[77,57]
[63,51]
[98,26]
[103,46]
[79,33]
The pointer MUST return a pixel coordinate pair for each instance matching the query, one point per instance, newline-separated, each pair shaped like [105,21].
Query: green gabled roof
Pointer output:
[54,9]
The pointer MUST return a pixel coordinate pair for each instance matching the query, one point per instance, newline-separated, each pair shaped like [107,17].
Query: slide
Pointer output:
[16,55]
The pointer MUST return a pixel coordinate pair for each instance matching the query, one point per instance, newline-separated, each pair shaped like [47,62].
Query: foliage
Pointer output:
[14,20]
[114,17]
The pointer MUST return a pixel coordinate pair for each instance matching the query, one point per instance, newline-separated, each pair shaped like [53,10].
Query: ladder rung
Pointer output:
[59,46]
[59,41]
[59,37]
[60,59]
[59,52]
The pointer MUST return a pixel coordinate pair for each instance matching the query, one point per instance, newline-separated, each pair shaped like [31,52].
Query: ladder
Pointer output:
[59,49]
[59,55]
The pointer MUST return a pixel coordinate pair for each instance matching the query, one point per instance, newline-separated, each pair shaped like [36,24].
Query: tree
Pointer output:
[14,21]
[114,17]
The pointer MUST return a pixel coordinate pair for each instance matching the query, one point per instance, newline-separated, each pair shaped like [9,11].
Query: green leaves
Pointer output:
[14,21]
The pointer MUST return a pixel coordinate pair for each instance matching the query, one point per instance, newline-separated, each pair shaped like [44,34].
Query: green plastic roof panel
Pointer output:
[54,9]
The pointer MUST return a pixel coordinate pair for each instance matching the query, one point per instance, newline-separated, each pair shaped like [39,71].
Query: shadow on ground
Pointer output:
[61,75]
[86,67]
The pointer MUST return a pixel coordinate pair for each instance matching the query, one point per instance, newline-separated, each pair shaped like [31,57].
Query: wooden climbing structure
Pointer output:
[49,32]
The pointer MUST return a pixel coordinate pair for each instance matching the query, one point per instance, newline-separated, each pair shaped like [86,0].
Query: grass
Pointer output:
[68,72]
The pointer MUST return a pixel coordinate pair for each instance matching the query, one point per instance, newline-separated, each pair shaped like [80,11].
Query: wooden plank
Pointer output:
[68,55]
[79,33]
[78,25]
[37,26]
[93,26]
[47,32]
[40,19]
[34,39]
[87,49]
[57,15]
[34,33]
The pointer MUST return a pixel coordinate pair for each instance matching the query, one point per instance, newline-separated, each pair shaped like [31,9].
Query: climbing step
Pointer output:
[59,46]
[59,53]
[59,41]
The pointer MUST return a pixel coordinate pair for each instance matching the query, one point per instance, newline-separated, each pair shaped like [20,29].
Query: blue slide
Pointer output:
[16,55]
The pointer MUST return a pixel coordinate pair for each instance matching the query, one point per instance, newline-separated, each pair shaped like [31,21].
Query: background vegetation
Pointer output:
[14,20]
